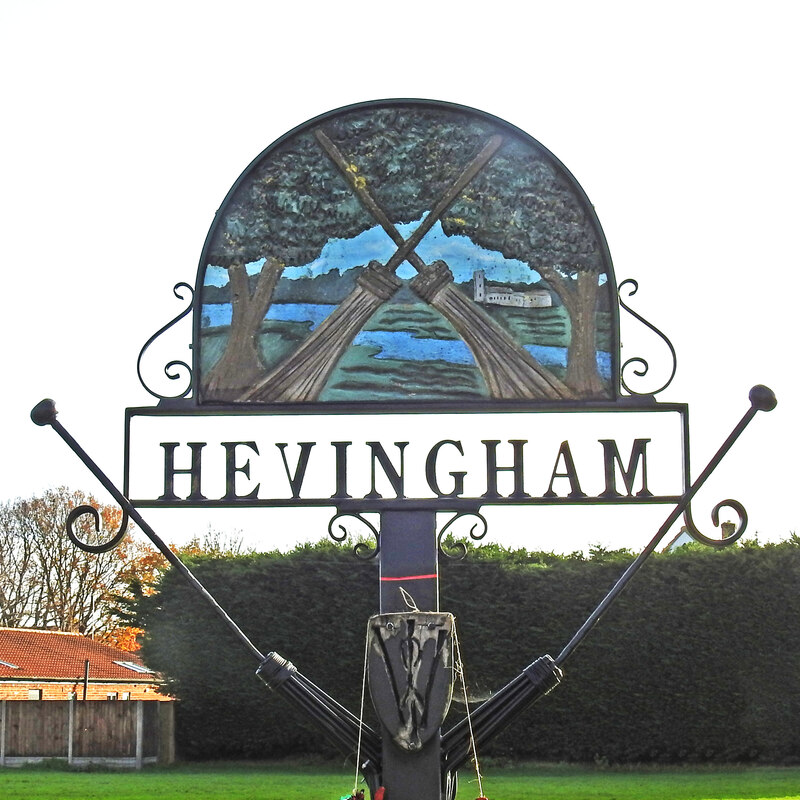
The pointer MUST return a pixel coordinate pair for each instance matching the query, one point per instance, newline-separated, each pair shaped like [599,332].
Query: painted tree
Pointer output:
[526,208]
[293,200]
[283,212]
[405,158]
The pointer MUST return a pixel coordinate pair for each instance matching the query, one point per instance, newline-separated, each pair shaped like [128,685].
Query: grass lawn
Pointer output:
[570,783]
[261,781]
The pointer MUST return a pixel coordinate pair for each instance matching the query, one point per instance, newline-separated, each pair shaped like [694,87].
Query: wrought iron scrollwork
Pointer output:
[736,506]
[643,366]
[361,550]
[79,511]
[170,368]
[762,398]
[478,530]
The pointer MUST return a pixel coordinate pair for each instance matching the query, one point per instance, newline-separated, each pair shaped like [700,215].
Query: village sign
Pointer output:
[377,263]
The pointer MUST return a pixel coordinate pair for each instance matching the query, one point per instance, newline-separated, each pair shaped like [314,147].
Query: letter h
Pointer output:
[170,471]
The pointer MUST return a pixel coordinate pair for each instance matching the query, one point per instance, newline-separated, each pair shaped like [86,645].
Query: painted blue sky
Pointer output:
[462,255]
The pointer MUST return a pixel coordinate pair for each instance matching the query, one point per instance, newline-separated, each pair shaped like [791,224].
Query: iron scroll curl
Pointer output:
[741,525]
[79,511]
[361,550]
[478,530]
[644,367]
[762,398]
[170,367]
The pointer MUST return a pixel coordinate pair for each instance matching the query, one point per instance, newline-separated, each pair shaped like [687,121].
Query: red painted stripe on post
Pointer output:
[411,577]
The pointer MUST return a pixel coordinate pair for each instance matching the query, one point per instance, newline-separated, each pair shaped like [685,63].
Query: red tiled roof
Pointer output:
[53,654]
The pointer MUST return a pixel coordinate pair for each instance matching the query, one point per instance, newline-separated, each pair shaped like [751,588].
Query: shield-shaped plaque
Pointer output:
[410,668]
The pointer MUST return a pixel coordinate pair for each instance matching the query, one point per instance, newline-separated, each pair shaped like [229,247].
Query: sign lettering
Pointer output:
[592,465]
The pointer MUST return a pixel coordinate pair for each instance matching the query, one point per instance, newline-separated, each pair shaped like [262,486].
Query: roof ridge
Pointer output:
[46,630]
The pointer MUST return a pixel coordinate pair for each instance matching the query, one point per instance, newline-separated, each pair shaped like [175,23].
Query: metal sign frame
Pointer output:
[349,177]
[411,653]
[441,503]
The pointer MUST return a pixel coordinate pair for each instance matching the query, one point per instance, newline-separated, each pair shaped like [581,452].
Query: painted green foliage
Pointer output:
[506,296]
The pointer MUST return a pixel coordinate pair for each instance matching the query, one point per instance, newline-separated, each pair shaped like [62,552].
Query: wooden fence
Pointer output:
[124,733]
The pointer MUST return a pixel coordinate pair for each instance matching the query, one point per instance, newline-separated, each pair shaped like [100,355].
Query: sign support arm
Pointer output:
[544,674]
[761,399]
[274,670]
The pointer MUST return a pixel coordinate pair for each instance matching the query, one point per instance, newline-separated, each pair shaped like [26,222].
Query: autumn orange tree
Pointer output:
[46,582]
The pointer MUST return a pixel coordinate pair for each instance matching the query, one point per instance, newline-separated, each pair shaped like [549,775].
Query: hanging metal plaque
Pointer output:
[410,669]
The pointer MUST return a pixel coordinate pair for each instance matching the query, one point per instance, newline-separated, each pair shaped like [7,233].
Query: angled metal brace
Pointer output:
[544,674]
[278,673]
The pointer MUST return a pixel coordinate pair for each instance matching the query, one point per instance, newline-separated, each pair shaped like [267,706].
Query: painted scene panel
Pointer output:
[404,253]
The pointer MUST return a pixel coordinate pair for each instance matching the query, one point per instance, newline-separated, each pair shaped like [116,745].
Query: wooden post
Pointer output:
[409,561]
[510,371]
[2,733]
[166,732]
[70,730]
[139,732]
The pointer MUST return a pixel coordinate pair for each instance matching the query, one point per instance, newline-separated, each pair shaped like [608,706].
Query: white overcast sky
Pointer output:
[125,124]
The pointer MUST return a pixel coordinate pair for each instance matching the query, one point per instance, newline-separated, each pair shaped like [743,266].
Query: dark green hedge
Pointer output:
[699,660]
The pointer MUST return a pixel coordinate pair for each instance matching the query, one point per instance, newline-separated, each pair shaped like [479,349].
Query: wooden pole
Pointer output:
[70,730]
[166,732]
[139,732]
[302,375]
[2,733]
[510,371]
[409,569]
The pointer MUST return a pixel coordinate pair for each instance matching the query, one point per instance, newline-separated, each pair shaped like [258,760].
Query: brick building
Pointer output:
[52,665]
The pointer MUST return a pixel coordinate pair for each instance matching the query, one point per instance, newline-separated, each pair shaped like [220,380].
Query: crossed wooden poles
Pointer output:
[510,372]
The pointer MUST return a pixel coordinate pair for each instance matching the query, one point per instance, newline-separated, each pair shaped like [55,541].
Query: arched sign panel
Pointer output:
[399,257]
[403,253]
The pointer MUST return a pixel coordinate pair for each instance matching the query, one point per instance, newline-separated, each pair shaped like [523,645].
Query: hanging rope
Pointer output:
[361,716]
[409,600]
[458,666]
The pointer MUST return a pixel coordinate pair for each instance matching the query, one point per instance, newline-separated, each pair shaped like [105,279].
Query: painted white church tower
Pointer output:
[506,296]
